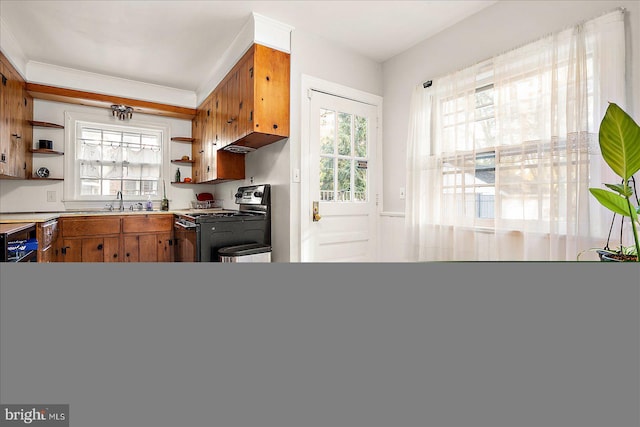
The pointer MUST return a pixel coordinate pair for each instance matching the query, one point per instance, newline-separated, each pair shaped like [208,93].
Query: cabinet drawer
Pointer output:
[90,226]
[49,233]
[147,223]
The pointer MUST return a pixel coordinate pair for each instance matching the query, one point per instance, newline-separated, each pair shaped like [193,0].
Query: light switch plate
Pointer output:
[296,175]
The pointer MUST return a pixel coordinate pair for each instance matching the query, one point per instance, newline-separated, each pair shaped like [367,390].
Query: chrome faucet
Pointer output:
[119,197]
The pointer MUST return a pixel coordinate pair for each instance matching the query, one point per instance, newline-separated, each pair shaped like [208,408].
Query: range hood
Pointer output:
[239,149]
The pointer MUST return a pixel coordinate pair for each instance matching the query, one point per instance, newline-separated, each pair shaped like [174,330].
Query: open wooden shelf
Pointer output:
[182,139]
[183,161]
[45,151]
[46,179]
[45,124]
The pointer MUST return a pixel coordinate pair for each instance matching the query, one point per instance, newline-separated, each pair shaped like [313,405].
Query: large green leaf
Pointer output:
[611,201]
[620,142]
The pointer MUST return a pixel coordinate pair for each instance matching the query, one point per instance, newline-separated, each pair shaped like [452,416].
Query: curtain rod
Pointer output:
[621,9]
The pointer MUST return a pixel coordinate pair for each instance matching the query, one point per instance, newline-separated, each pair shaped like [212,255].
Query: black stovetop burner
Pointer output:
[219,215]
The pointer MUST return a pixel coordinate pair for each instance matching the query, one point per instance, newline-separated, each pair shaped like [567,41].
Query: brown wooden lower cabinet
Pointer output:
[90,249]
[132,238]
[148,248]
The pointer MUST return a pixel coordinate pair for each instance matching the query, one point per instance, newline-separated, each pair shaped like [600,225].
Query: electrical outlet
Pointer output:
[51,196]
[402,193]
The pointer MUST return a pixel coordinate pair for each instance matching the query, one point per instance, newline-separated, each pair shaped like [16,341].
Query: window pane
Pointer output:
[89,187]
[131,188]
[149,188]
[360,182]
[94,135]
[112,136]
[327,131]
[110,187]
[150,140]
[344,134]
[112,153]
[90,151]
[326,178]
[131,138]
[89,170]
[360,140]
[152,155]
[134,154]
[112,170]
[344,180]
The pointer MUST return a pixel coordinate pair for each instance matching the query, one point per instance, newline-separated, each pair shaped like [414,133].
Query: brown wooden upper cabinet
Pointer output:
[259,91]
[249,108]
[16,111]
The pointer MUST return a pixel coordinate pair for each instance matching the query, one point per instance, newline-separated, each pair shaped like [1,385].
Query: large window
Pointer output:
[107,160]
[501,154]
[112,160]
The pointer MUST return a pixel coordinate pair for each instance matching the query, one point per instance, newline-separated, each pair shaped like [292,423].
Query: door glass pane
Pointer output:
[344,180]
[360,183]
[326,178]
[344,134]
[360,138]
[327,131]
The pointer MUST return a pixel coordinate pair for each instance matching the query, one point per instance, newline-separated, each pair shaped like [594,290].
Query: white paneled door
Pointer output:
[342,184]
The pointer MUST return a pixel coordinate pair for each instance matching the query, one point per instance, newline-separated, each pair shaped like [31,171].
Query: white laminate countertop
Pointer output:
[15,217]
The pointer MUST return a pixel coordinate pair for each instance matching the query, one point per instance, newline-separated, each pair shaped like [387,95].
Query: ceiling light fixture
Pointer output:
[122,112]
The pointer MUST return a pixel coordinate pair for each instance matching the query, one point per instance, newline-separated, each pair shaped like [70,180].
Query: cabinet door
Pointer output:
[148,248]
[233,106]
[16,110]
[225,116]
[27,132]
[185,247]
[207,139]
[271,97]
[71,250]
[131,248]
[245,84]
[164,247]
[111,249]
[196,146]
[93,249]
[5,131]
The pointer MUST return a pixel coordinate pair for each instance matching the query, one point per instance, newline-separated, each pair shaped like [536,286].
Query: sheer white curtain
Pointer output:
[500,155]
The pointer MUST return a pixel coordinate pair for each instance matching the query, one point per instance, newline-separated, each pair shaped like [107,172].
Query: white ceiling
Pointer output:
[177,43]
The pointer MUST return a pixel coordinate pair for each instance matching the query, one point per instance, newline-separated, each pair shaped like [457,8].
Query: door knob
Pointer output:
[316,209]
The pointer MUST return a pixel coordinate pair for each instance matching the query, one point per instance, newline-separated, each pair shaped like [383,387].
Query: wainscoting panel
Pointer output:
[392,247]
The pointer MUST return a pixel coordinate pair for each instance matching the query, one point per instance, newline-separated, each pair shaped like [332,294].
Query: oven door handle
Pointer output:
[185,226]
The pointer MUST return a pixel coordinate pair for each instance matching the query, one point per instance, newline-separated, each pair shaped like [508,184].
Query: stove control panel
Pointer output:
[252,195]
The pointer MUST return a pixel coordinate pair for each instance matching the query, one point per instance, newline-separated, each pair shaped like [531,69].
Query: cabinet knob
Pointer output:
[100,247]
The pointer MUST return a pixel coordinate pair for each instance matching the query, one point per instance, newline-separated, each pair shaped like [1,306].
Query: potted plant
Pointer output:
[619,138]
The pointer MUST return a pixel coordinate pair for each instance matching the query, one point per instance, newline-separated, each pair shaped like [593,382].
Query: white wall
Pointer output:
[496,29]
[31,196]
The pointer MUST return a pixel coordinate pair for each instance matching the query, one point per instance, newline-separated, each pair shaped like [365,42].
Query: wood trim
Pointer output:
[91,99]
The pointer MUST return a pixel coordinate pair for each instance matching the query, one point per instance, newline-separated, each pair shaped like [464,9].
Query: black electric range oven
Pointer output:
[250,223]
